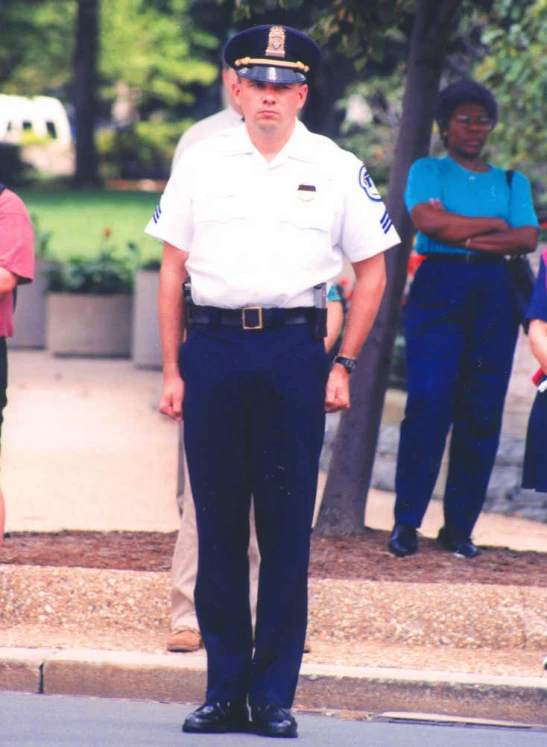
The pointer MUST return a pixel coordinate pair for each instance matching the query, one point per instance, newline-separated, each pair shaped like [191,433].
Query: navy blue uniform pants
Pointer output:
[254,423]
[460,329]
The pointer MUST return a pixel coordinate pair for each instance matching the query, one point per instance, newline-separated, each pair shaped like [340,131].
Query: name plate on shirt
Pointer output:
[306,192]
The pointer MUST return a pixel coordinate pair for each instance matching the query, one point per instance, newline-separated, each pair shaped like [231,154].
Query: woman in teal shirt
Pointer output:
[460,323]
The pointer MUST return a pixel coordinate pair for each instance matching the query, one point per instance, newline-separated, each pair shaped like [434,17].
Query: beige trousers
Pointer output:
[184,565]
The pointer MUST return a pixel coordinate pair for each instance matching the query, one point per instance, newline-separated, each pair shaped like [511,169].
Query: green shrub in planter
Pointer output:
[106,274]
[90,303]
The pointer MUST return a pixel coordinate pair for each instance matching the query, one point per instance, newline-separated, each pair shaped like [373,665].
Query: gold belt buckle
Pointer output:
[244,318]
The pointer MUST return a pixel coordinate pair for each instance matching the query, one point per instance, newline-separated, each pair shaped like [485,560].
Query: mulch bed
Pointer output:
[363,557]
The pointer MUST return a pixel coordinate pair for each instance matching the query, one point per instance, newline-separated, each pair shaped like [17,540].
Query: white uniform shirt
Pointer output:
[222,120]
[264,233]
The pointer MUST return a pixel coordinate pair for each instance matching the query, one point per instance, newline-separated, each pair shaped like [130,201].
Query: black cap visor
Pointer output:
[271,74]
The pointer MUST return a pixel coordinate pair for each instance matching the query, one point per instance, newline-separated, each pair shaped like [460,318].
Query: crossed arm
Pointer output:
[480,234]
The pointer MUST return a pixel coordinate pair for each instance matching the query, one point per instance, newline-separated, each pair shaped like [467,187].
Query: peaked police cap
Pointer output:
[272,54]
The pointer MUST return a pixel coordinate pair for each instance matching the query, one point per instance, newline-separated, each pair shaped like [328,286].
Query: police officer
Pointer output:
[261,217]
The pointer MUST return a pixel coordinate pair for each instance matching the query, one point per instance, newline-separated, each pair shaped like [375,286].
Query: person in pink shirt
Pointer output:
[16,268]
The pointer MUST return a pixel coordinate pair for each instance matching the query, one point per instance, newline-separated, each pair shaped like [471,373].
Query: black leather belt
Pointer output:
[250,317]
[477,258]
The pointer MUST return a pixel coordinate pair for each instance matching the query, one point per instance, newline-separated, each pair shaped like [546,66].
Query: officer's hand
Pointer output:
[337,392]
[172,395]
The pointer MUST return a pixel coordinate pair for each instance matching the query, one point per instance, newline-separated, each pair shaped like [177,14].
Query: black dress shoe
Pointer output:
[273,721]
[403,540]
[218,718]
[463,549]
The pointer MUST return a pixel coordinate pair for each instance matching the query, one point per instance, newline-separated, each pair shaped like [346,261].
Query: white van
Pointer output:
[44,116]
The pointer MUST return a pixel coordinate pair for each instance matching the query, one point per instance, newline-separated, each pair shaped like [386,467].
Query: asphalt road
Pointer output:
[61,721]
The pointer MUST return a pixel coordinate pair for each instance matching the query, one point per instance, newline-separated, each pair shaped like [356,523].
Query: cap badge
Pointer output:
[276,42]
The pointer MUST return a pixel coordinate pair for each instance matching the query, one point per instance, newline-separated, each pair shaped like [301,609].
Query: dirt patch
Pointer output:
[364,557]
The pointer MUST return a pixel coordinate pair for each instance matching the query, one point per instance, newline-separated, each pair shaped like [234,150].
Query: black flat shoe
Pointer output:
[273,721]
[463,549]
[403,540]
[218,718]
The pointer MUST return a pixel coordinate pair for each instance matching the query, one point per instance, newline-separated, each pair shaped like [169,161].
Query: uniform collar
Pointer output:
[236,141]
[300,145]
[236,116]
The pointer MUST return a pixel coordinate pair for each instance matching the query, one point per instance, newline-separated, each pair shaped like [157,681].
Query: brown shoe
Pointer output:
[187,639]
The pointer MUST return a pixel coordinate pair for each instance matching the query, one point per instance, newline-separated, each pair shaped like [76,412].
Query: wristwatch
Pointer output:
[349,363]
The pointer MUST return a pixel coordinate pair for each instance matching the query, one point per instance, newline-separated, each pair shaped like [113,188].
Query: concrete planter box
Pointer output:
[146,344]
[89,325]
[31,310]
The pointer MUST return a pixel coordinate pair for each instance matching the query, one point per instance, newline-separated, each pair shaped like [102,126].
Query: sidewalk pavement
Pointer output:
[85,449]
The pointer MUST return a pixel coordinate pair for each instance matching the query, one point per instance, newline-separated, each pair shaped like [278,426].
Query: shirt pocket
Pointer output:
[302,215]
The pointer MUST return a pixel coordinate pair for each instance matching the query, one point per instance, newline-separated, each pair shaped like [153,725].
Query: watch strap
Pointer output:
[348,363]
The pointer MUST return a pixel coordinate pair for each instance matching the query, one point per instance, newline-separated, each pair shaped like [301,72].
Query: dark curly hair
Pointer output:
[464,92]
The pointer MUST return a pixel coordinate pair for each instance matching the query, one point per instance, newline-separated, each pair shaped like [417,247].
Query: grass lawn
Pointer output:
[78,218]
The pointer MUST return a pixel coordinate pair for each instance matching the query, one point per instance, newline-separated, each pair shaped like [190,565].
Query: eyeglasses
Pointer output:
[466,121]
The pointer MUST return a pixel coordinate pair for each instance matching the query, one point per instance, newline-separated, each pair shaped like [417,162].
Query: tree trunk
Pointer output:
[85,84]
[344,501]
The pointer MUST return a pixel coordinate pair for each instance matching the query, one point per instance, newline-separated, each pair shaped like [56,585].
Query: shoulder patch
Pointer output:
[366,183]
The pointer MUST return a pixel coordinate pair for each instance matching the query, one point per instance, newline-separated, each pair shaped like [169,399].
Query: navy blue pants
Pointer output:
[534,470]
[460,329]
[254,423]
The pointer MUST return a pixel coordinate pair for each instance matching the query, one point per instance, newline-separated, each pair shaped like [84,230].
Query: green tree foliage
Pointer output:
[149,49]
[150,45]
[515,68]
[36,45]
[502,44]
[358,28]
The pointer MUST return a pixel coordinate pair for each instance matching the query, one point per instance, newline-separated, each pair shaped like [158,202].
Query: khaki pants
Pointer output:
[184,565]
